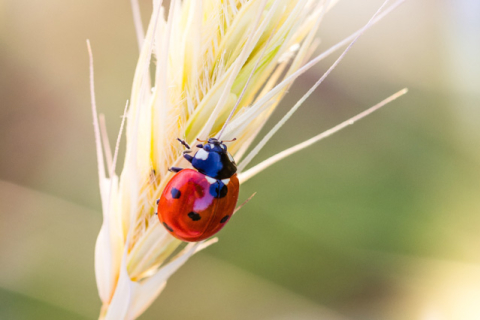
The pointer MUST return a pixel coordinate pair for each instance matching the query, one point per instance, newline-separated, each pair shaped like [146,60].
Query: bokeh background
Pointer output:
[380,221]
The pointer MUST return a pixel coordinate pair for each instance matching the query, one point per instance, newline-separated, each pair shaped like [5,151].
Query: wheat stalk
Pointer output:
[219,66]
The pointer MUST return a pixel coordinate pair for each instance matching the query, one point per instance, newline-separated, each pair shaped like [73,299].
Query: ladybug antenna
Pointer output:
[201,140]
[234,139]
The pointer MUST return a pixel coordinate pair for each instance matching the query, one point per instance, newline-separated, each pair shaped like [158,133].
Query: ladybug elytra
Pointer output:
[196,204]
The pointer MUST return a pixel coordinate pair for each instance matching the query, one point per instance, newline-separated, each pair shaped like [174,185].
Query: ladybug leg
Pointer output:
[188,157]
[184,143]
[174,169]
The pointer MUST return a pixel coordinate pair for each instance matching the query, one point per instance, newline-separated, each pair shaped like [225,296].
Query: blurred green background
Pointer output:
[380,221]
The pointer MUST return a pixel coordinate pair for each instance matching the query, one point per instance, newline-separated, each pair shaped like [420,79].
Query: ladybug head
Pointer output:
[213,160]
[214,145]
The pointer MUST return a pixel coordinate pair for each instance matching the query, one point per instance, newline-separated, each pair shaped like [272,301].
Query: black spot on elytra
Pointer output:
[218,189]
[175,193]
[167,227]
[194,216]
[224,219]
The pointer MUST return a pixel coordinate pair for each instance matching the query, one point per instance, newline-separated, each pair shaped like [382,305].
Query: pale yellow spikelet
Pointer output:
[212,60]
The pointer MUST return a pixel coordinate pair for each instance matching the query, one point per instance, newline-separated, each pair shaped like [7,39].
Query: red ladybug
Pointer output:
[196,204]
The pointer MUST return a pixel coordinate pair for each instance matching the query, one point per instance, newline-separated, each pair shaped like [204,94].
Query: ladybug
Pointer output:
[197,203]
